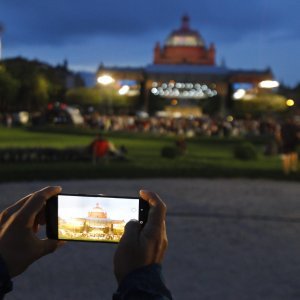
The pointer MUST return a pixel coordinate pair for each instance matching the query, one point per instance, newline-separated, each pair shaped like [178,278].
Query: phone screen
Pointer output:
[93,218]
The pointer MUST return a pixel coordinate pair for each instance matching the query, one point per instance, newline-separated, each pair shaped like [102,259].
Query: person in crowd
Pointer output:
[102,149]
[289,137]
[180,144]
[137,261]
[99,148]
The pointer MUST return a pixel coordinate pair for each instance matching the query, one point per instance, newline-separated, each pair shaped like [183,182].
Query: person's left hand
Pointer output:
[19,223]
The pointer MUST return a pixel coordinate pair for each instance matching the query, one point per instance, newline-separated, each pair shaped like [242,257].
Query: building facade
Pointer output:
[184,69]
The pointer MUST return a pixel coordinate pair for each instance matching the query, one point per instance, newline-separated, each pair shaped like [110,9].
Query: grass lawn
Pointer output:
[206,157]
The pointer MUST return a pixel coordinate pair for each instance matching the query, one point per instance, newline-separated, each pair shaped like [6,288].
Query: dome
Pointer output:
[185,36]
[97,208]
[97,212]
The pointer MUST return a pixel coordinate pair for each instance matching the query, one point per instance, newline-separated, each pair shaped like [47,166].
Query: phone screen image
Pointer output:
[91,218]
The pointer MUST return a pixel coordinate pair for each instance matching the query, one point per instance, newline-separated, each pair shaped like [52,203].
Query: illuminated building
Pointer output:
[97,218]
[184,72]
[97,221]
[184,46]
[97,212]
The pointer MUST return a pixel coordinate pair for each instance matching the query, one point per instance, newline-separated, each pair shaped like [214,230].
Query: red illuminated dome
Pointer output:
[185,36]
[184,46]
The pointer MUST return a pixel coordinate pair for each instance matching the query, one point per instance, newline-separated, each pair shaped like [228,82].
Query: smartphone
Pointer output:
[92,218]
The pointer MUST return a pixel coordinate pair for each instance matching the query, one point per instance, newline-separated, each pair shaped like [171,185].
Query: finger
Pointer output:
[49,246]
[12,209]
[41,216]
[157,212]
[131,232]
[34,205]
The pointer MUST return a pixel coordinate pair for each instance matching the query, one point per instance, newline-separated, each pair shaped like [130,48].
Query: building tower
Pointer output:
[97,212]
[1,32]
[184,46]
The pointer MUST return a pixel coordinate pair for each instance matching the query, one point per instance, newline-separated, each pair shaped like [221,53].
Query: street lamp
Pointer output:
[1,32]
[290,102]
[106,80]
[124,90]
[268,84]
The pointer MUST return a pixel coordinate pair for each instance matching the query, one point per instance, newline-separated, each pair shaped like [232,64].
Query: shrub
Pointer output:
[44,154]
[245,151]
[169,152]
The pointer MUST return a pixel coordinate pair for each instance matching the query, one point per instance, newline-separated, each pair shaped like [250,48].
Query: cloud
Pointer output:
[61,22]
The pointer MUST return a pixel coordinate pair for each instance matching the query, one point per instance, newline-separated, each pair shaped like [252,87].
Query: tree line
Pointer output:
[29,84]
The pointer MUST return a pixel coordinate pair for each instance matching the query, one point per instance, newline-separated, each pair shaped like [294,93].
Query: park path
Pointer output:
[228,239]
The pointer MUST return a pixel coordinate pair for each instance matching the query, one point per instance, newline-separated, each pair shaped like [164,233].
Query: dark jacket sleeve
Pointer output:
[144,283]
[6,284]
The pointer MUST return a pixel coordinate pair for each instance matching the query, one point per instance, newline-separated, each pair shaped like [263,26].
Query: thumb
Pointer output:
[49,246]
[132,230]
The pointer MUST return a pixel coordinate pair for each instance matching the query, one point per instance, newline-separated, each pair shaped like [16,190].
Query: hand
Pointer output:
[142,246]
[19,223]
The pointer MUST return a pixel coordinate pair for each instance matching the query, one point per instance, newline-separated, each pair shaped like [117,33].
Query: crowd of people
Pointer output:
[280,138]
[193,126]
[281,135]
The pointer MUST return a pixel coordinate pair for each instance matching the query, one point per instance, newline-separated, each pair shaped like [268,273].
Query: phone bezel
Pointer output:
[52,214]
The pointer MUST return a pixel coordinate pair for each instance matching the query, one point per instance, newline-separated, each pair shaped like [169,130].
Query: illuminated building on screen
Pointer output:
[97,212]
[184,71]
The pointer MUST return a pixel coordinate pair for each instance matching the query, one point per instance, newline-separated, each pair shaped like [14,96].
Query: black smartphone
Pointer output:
[92,218]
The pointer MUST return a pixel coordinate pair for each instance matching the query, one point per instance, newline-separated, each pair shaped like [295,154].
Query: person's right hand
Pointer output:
[142,246]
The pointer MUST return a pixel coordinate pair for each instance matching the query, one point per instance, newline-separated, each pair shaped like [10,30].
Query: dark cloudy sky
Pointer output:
[248,34]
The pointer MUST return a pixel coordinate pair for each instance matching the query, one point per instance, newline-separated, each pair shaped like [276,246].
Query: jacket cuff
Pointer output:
[146,282]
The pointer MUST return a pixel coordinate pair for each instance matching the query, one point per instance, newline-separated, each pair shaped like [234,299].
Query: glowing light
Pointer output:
[229,118]
[154,91]
[290,102]
[124,90]
[174,89]
[105,79]
[239,94]
[268,84]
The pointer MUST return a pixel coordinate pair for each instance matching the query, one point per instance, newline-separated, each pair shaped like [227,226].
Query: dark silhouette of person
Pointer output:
[289,140]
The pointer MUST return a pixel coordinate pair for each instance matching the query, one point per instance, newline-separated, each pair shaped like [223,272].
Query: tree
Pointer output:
[83,96]
[34,93]
[103,99]
[39,82]
[8,90]
[260,104]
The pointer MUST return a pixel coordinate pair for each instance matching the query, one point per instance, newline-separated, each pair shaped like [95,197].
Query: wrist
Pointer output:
[147,281]
[6,284]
